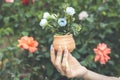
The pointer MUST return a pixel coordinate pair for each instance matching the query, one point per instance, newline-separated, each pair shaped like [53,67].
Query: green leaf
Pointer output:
[6,19]
[16,78]
[1,55]
[49,70]
[76,55]
[1,17]
[26,79]
[103,25]
[28,14]
[30,55]
[25,33]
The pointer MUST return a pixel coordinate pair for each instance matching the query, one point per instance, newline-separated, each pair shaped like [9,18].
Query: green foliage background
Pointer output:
[16,20]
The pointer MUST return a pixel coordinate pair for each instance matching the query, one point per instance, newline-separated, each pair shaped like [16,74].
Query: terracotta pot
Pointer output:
[64,41]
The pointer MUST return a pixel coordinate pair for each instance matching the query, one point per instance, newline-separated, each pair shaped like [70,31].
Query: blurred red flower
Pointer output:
[28,43]
[25,2]
[102,52]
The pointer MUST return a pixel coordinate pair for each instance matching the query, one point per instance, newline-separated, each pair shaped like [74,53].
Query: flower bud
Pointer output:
[46,15]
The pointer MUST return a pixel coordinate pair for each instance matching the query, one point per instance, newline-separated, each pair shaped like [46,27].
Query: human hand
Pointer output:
[67,65]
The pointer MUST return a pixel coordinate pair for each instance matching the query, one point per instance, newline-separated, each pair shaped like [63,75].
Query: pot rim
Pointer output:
[66,35]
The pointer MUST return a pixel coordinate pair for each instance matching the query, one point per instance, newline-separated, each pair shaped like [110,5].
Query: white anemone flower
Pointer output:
[43,22]
[70,11]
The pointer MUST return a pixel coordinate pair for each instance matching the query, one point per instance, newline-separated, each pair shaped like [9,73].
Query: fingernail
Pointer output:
[66,50]
[51,48]
[59,48]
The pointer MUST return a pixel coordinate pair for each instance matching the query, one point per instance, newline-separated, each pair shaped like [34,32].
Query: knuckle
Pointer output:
[69,76]
[63,65]
[67,71]
[57,65]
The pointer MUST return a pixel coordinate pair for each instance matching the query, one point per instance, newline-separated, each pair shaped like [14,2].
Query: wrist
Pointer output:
[86,72]
[82,72]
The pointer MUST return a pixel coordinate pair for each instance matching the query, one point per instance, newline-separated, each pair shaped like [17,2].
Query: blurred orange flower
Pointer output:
[102,52]
[28,43]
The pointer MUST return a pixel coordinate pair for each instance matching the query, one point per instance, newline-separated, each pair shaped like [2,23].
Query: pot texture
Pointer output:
[64,41]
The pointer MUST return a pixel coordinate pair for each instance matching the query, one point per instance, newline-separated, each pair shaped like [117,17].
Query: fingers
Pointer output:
[65,64]
[58,61]
[65,60]
[52,54]
[59,56]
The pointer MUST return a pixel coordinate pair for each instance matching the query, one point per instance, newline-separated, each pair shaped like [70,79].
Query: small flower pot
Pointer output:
[64,41]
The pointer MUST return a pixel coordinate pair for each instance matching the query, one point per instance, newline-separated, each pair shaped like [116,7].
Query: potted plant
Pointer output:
[64,26]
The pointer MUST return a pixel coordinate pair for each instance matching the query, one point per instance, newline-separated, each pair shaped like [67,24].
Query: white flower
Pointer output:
[43,22]
[46,15]
[70,11]
[62,22]
[83,15]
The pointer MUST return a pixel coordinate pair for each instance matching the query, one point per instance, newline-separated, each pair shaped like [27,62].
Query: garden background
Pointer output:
[18,19]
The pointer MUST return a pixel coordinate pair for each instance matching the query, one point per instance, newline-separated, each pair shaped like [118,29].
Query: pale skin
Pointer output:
[69,66]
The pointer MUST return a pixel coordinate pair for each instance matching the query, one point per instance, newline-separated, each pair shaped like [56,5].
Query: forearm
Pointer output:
[95,76]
